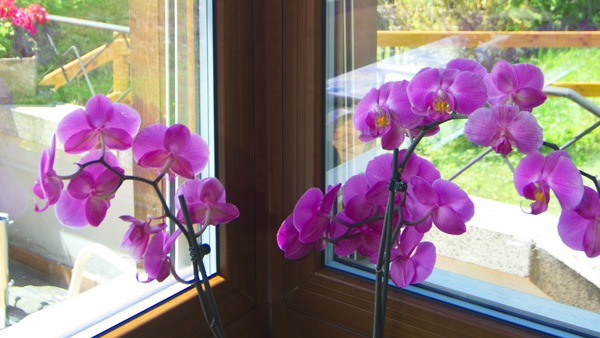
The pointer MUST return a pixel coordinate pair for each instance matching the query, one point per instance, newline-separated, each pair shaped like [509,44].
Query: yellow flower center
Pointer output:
[442,106]
[539,196]
[382,121]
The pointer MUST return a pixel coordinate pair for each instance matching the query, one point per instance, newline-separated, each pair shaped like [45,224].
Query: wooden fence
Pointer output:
[503,39]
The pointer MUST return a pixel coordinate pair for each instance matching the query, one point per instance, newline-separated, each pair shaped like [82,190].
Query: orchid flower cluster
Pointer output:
[407,191]
[27,18]
[103,127]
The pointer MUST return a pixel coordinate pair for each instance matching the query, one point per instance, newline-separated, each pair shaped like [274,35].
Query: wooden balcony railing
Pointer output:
[117,52]
[503,39]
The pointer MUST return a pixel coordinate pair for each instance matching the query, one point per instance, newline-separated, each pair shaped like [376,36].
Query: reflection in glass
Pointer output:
[58,272]
[507,258]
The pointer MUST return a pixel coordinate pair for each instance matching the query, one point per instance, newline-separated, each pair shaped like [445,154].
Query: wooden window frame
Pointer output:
[270,105]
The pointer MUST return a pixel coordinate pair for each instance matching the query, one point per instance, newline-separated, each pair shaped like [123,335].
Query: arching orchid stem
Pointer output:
[417,222]
[201,230]
[165,170]
[346,235]
[508,163]
[102,144]
[357,224]
[179,278]
[205,295]
[551,145]
[592,178]
[423,131]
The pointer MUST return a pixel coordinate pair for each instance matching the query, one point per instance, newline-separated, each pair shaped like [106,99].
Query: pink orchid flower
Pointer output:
[87,197]
[174,148]
[206,202]
[535,175]
[502,127]
[519,84]
[100,123]
[579,228]
[48,186]
[437,92]
[412,261]
[157,263]
[311,214]
[385,113]
[137,236]
[379,169]
[289,242]
[361,202]
[442,202]
[363,239]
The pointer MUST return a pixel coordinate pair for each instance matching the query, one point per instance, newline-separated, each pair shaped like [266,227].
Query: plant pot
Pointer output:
[17,78]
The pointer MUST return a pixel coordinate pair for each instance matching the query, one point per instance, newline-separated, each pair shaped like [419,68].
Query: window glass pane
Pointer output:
[508,261]
[49,272]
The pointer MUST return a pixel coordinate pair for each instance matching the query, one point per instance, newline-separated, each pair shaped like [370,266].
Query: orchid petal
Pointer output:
[183,168]
[424,259]
[425,82]
[467,65]
[529,75]
[504,77]
[402,271]
[155,254]
[99,111]
[287,240]
[528,170]
[409,239]
[117,139]
[95,210]
[526,133]
[449,221]
[355,185]
[81,141]
[125,118]
[154,159]
[393,138]
[566,183]
[176,138]
[70,211]
[107,183]
[529,98]
[481,127]
[469,92]
[148,139]
[223,213]
[572,229]
[73,123]
[81,186]
[306,207]
[591,239]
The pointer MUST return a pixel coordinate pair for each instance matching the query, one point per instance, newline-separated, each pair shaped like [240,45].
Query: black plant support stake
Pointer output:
[382,268]
[201,282]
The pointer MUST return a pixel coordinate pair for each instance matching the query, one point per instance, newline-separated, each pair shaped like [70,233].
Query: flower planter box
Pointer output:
[17,78]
